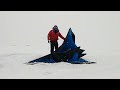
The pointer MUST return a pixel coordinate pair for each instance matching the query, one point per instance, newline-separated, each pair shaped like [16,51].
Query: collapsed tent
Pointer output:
[67,52]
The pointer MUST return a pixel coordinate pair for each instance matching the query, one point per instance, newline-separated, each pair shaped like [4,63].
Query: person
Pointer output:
[53,38]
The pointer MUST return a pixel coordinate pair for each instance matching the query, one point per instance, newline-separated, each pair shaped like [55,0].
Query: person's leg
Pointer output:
[52,47]
[56,45]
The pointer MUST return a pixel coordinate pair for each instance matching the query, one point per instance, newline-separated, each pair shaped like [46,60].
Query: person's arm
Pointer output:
[61,36]
[48,37]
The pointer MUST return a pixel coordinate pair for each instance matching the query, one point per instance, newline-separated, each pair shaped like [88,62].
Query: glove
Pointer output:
[48,41]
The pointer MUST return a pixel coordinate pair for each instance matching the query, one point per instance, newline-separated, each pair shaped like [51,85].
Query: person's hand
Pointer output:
[48,41]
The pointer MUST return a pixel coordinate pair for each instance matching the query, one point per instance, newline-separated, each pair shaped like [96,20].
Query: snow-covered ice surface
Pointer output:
[23,37]
[13,66]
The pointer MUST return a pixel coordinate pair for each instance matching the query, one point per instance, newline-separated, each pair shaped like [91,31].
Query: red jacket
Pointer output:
[52,36]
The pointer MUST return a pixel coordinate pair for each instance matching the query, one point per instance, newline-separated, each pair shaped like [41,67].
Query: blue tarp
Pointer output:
[67,52]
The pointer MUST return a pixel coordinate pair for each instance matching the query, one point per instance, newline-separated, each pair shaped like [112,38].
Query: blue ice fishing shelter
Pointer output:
[67,52]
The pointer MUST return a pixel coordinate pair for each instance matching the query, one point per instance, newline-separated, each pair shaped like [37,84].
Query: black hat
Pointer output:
[55,28]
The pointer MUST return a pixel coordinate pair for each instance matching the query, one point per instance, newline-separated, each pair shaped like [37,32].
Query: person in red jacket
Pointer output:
[53,38]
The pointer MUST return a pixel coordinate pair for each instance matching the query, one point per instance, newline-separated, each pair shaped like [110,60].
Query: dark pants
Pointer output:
[53,45]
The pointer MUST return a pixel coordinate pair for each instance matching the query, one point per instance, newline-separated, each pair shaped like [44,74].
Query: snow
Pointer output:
[23,37]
